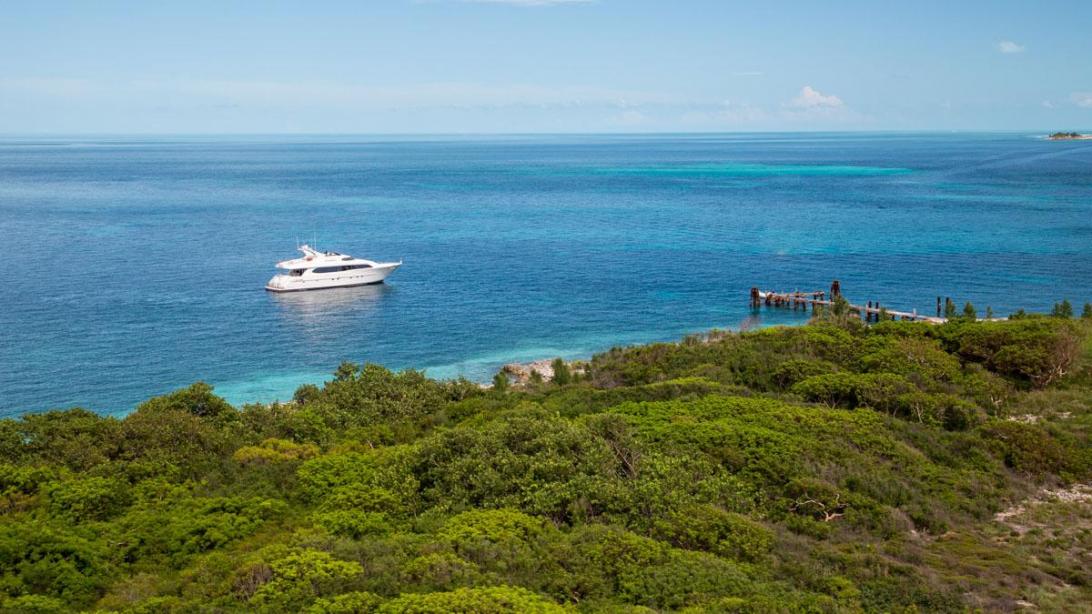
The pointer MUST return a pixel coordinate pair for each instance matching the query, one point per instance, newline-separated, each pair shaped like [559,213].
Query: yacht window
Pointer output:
[360,266]
[327,269]
[296,272]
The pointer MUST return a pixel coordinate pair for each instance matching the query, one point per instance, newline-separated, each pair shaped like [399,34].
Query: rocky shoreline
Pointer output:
[521,374]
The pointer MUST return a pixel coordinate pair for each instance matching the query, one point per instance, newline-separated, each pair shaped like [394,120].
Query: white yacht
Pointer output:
[317,270]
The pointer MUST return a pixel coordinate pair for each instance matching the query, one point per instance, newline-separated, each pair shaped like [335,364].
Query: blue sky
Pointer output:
[454,66]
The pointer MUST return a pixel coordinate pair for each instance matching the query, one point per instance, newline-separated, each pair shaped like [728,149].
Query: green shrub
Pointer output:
[969,312]
[34,604]
[527,461]
[364,396]
[306,393]
[439,571]
[920,360]
[876,390]
[197,400]
[345,473]
[170,524]
[57,561]
[87,498]
[1036,350]
[795,370]
[173,439]
[25,480]
[1062,310]
[706,527]
[684,578]
[496,540]
[283,579]
[949,411]
[833,389]
[562,375]
[348,603]
[354,524]
[275,450]
[76,439]
[1026,447]
[489,600]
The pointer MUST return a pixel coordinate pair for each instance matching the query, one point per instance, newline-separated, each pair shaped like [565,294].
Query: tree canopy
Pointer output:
[825,468]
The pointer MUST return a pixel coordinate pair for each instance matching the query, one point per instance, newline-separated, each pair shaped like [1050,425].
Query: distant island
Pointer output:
[1069,136]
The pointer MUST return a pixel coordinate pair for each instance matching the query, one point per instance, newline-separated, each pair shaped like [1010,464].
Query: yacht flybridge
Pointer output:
[317,270]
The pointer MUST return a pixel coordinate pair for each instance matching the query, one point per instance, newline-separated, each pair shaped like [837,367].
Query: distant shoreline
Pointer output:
[1069,136]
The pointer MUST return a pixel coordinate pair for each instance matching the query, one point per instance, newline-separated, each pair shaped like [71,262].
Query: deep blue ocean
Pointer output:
[134,266]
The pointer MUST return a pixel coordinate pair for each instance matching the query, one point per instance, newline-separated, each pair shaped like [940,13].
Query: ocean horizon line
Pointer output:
[893,131]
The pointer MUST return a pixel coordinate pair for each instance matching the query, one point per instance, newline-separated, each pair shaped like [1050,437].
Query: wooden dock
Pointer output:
[868,312]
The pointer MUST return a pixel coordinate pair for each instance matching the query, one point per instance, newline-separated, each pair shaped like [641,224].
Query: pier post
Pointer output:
[835,289]
[938,306]
[754,298]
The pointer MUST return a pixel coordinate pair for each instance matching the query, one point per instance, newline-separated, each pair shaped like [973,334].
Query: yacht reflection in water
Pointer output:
[327,315]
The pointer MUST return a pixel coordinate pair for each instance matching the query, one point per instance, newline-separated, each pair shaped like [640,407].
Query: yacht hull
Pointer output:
[325,281]
[285,290]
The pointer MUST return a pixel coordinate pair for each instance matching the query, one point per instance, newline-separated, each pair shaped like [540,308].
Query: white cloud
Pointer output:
[1047,104]
[1082,99]
[1007,46]
[810,98]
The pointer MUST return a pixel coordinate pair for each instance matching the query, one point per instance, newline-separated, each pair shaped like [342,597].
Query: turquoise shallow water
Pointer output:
[136,265]
[755,170]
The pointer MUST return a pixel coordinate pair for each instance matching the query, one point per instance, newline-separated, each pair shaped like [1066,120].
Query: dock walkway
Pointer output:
[870,311]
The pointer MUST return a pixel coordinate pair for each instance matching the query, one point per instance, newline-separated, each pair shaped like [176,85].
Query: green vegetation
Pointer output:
[949,309]
[1062,310]
[834,467]
[969,311]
